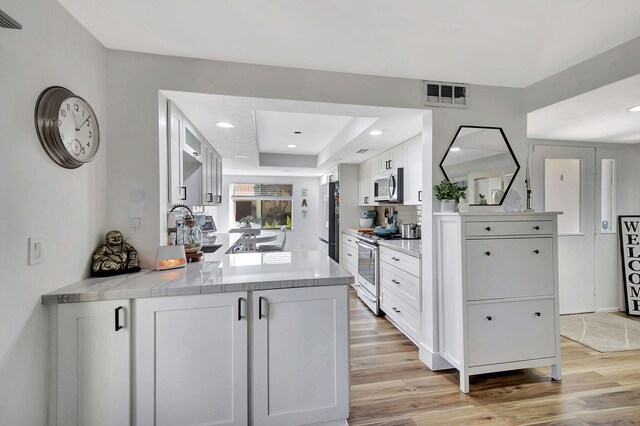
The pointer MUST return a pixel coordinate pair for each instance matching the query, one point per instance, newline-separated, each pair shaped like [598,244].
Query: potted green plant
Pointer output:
[249,220]
[448,194]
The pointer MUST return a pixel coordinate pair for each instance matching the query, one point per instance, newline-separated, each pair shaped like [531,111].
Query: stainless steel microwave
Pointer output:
[390,189]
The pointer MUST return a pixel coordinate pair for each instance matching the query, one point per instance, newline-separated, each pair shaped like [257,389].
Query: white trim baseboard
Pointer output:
[433,360]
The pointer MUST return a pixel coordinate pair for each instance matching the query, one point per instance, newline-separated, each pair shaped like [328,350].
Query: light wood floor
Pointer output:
[390,386]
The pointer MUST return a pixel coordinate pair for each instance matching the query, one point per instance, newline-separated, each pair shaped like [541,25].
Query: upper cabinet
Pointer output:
[333,175]
[407,155]
[413,171]
[195,167]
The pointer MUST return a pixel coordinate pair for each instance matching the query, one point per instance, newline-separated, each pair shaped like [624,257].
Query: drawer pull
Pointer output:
[536,251]
[538,314]
[395,282]
[395,258]
[488,228]
[537,228]
[395,309]
[488,253]
[349,254]
[489,318]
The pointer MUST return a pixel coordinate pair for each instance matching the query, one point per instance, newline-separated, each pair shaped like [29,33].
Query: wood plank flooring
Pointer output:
[390,386]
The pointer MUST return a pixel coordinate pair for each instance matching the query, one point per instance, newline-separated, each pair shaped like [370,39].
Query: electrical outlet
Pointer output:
[36,249]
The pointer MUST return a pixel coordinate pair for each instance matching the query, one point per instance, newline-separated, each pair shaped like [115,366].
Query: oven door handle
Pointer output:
[366,245]
[364,293]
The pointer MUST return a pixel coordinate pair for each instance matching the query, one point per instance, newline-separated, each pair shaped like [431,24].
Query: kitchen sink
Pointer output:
[211,249]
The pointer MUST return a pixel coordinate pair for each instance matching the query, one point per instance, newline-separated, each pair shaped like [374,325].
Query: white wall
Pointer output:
[67,207]
[305,232]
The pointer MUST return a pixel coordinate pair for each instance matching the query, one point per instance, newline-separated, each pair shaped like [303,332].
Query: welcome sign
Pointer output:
[629,232]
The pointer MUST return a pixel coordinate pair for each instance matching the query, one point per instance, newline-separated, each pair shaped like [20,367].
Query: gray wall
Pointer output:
[67,207]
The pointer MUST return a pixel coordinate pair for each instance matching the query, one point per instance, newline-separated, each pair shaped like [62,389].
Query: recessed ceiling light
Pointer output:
[454,149]
[375,132]
[225,125]
[635,108]
[292,146]
[240,157]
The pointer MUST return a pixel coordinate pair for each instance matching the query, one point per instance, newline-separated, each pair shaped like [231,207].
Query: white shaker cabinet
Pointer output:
[391,160]
[191,360]
[91,359]
[300,356]
[497,276]
[413,171]
[175,136]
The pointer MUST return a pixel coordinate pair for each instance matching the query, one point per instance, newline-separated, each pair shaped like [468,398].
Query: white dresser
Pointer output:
[497,276]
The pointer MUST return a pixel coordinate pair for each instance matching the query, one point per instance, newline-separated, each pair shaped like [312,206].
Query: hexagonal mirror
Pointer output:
[481,159]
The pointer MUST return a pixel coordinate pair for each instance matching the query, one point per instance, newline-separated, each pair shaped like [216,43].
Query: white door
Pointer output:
[563,179]
[191,360]
[94,356]
[297,380]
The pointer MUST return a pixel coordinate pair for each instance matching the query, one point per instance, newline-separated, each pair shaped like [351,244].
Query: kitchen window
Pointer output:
[262,204]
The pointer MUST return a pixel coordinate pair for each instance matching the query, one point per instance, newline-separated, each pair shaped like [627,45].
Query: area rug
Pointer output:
[603,332]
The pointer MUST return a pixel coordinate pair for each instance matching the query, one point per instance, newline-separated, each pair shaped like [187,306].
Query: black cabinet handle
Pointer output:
[349,254]
[366,200]
[536,251]
[118,325]
[185,193]
[219,199]
[537,228]
[240,299]
[260,314]
[538,314]
[489,318]
[488,228]
[330,178]
[210,197]
[395,258]
[395,282]
[488,253]
[395,309]
[419,195]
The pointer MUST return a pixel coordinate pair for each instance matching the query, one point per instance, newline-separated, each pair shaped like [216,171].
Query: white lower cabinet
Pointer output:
[300,356]
[498,292]
[91,361]
[191,360]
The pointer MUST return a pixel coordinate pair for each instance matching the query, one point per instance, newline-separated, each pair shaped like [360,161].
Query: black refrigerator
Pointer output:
[330,224]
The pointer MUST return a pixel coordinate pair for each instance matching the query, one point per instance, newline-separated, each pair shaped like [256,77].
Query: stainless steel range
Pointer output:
[367,282]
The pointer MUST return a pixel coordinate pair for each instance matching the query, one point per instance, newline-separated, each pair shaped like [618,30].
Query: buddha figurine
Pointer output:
[114,257]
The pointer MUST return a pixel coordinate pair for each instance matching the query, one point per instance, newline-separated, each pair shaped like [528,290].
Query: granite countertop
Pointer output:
[215,273]
[410,247]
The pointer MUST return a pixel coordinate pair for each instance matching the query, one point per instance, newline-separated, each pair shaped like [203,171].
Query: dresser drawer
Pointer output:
[403,261]
[504,268]
[403,284]
[349,240]
[406,318]
[511,331]
[350,253]
[527,227]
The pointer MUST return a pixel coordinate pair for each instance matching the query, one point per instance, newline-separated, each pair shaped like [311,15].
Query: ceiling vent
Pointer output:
[7,21]
[437,93]
[362,151]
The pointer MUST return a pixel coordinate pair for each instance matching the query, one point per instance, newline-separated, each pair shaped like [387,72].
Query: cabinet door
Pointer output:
[175,136]
[413,171]
[300,355]
[191,360]
[397,157]
[94,354]
[364,196]
[207,193]
[218,181]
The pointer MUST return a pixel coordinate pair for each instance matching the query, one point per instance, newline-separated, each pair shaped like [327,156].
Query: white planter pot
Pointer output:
[447,205]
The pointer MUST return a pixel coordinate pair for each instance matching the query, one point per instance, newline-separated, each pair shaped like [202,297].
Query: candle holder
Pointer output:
[528,209]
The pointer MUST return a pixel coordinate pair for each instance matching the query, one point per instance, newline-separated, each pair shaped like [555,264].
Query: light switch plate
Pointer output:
[36,249]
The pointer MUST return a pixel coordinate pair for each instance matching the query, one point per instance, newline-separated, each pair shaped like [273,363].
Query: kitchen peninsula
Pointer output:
[233,339]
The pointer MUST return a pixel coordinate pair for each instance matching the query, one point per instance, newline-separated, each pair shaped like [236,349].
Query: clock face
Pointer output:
[76,128]
[67,127]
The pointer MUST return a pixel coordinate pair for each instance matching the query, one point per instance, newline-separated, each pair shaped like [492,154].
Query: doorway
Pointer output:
[563,180]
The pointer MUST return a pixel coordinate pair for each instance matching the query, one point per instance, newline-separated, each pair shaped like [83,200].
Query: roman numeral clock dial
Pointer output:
[67,127]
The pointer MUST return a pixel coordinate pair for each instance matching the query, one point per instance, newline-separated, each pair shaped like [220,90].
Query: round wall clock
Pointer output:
[67,127]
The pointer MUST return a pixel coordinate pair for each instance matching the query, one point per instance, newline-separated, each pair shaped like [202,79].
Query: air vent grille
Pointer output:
[7,21]
[445,94]
[361,151]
